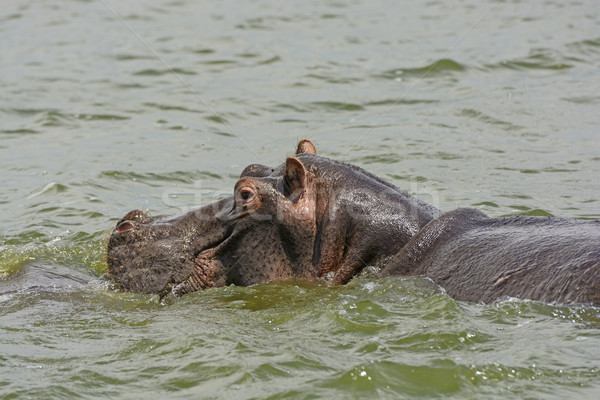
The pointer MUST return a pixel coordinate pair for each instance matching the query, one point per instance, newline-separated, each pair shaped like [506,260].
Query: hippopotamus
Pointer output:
[316,219]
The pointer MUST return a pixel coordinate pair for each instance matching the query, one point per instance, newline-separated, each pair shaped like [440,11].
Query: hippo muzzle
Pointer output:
[155,254]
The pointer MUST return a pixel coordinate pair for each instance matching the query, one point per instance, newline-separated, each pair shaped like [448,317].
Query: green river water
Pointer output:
[109,106]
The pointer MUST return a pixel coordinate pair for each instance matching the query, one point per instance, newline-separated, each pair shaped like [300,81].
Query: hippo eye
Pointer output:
[246,194]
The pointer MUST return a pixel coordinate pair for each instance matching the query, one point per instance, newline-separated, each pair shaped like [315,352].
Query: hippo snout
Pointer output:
[153,254]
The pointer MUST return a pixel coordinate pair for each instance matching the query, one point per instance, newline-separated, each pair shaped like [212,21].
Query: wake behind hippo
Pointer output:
[314,218]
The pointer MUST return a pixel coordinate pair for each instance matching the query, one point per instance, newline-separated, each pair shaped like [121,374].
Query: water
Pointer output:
[109,106]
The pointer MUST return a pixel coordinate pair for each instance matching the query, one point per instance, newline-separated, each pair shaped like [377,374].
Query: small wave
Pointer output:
[487,119]
[219,119]
[127,57]
[168,107]
[270,60]
[202,51]
[592,100]
[53,118]
[27,111]
[68,248]
[333,78]
[150,177]
[11,16]
[161,72]
[539,59]
[19,131]
[12,262]
[100,117]
[219,62]
[52,187]
[435,69]
[289,106]
[337,106]
[397,102]
[586,46]
[129,85]
[536,212]
[383,158]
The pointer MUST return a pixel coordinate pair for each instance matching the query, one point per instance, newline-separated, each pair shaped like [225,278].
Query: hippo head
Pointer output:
[310,218]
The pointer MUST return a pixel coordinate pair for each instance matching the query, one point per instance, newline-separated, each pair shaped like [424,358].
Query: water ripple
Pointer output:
[540,59]
[437,68]
[161,72]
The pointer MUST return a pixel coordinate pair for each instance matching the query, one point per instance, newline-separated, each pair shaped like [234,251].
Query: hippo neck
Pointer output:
[361,219]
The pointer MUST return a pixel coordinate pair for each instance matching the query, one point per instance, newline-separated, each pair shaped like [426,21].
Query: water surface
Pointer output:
[109,106]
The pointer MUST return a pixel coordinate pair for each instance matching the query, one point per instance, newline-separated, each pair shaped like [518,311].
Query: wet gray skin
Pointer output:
[313,218]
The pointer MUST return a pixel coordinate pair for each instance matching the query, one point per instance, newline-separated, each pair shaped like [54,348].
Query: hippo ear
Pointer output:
[306,146]
[295,176]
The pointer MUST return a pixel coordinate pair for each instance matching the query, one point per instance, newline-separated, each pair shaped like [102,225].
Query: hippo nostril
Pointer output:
[134,216]
[130,221]
[124,226]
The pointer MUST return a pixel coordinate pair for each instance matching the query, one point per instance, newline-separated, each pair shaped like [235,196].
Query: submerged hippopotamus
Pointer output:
[314,218]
